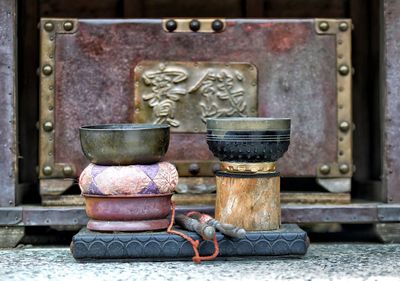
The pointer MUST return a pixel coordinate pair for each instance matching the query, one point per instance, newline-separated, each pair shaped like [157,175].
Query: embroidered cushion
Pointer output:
[128,180]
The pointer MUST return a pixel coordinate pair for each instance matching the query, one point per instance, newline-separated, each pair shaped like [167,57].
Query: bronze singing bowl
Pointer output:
[128,208]
[124,144]
[248,139]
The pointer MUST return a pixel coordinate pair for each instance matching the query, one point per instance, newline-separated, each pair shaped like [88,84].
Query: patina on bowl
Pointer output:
[248,139]
[138,207]
[124,144]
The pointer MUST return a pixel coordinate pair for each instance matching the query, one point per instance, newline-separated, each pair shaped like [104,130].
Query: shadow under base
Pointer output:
[87,245]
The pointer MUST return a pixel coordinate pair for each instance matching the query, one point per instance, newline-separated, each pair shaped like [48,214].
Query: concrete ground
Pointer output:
[334,261]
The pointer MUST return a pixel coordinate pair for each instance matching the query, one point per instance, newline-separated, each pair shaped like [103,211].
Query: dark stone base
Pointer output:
[290,240]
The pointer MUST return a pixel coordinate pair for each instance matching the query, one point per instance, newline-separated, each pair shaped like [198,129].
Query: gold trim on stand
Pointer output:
[236,167]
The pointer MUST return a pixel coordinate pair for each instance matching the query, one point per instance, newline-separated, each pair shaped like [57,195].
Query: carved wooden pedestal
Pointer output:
[251,201]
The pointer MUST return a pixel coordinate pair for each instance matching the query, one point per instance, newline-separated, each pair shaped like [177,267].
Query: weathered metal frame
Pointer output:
[8,103]
[48,32]
[342,30]
[390,101]
[349,213]
[342,168]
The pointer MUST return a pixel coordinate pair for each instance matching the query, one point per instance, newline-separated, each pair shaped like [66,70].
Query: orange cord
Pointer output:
[195,243]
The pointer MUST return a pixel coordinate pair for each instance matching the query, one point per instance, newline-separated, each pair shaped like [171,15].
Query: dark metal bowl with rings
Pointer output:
[124,144]
[248,139]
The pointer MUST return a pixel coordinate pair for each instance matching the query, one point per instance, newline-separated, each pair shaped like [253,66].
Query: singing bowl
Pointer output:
[128,208]
[124,144]
[248,139]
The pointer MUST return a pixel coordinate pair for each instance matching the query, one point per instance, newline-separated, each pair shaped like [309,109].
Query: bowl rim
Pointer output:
[248,123]
[115,127]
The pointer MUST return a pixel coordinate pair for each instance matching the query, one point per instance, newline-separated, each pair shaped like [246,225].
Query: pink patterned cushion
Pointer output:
[127,180]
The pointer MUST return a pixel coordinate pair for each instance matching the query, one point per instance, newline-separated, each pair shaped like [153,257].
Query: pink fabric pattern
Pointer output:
[128,180]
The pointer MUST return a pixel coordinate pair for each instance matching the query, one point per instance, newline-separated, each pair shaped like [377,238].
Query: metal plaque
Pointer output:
[184,94]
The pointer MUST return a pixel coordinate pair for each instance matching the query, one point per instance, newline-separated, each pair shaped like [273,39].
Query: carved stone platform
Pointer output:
[289,240]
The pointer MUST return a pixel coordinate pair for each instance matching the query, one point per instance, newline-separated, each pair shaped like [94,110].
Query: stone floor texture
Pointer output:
[334,261]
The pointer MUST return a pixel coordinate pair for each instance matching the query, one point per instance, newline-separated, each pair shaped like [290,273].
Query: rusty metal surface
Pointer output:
[128,208]
[184,94]
[10,215]
[389,212]
[8,106]
[95,67]
[390,99]
[347,213]
[38,215]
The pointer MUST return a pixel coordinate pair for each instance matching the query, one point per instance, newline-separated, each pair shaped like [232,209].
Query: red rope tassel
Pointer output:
[195,243]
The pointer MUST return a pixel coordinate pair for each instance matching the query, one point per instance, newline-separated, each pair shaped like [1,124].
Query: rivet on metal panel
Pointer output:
[216,167]
[48,126]
[194,168]
[325,169]
[47,69]
[67,170]
[47,170]
[217,25]
[324,26]
[194,25]
[344,126]
[48,26]
[171,25]
[68,25]
[343,26]
[344,69]
[344,168]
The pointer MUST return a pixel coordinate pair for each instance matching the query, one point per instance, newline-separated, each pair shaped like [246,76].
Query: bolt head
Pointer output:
[325,169]
[48,126]
[217,25]
[47,69]
[324,26]
[48,26]
[343,26]
[344,168]
[47,170]
[67,170]
[344,69]
[344,126]
[194,168]
[68,25]
[216,167]
[194,25]
[171,25]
